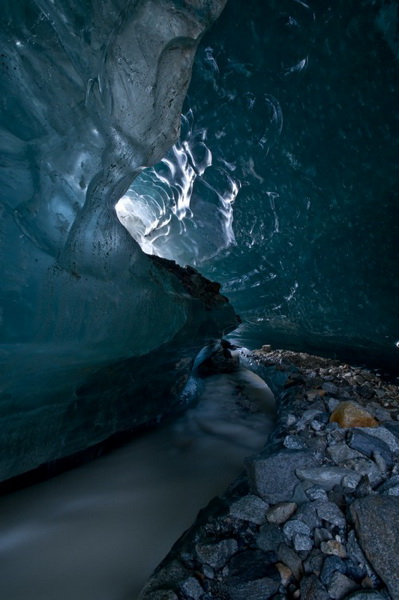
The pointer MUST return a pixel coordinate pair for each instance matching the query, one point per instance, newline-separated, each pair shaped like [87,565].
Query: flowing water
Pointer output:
[97,532]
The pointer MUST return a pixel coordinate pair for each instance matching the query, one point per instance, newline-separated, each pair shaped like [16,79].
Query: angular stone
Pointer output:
[253,590]
[273,477]
[316,493]
[321,535]
[340,586]
[341,452]
[325,477]
[285,574]
[281,512]
[269,538]
[376,520]
[368,445]
[333,548]
[328,511]
[192,588]
[314,562]
[349,414]
[302,542]
[312,588]
[250,508]
[290,558]
[216,555]
[386,433]
[331,565]
[296,527]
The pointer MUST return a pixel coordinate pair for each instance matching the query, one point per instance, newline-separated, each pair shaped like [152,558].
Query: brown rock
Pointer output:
[281,512]
[333,548]
[350,414]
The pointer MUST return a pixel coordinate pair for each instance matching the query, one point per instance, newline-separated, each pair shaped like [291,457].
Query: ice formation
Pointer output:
[91,94]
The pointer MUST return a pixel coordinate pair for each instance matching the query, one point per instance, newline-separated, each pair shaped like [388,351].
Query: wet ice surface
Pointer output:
[98,532]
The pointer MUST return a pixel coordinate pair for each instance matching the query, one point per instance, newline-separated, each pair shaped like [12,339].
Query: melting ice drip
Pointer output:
[182,208]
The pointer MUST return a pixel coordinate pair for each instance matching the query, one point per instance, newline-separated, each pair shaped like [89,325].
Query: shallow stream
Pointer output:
[98,531]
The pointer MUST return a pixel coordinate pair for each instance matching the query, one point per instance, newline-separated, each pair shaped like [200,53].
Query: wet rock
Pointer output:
[368,445]
[281,512]
[192,588]
[334,548]
[386,434]
[250,508]
[366,595]
[340,586]
[296,527]
[316,493]
[312,588]
[314,562]
[325,477]
[376,520]
[331,565]
[269,537]
[253,590]
[329,512]
[349,414]
[341,452]
[291,559]
[216,555]
[320,535]
[302,542]
[274,477]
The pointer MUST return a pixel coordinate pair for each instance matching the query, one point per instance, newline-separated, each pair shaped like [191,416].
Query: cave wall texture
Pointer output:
[282,186]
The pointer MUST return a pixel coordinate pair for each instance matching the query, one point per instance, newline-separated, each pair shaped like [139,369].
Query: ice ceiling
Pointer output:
[282,186]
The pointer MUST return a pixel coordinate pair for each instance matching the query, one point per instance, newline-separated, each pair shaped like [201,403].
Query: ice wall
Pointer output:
[297,105]
[94,335]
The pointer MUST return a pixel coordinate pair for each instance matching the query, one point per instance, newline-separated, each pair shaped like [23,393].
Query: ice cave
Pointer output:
[183,182]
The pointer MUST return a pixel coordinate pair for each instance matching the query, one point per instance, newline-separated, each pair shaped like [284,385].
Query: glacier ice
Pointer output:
[94,333]
[297,102]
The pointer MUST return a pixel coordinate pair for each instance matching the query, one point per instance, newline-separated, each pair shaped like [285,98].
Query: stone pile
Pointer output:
[316,513]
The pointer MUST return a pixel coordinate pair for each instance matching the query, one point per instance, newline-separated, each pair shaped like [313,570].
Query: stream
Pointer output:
[97,532]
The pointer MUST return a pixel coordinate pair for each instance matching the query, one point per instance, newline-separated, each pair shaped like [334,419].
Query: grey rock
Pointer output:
[376,520]
[312,588]
[307,416]
[351,481]
[192,588]
[332,404]
[294,442]
[354,549]
[250,508]
[369,444]
[366,467]
[273,477]
[341,452]
[325,477]
[366,595]
[316,493]
[308,514]
[314,562]
[393,429]
[302,542]
[328,511]
[386,433]
[340,586]
[216,555]
[281,512]
[290,558]
[253,590]
[320,535]
[269,537]
[330,388]
[317,425]
[295,527]
[331,565]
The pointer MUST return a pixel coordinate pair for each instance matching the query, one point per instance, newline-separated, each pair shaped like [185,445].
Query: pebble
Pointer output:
[250,508]
[318,516]
[281,512]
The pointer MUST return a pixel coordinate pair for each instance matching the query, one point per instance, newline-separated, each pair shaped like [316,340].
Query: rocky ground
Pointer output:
[315,515]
